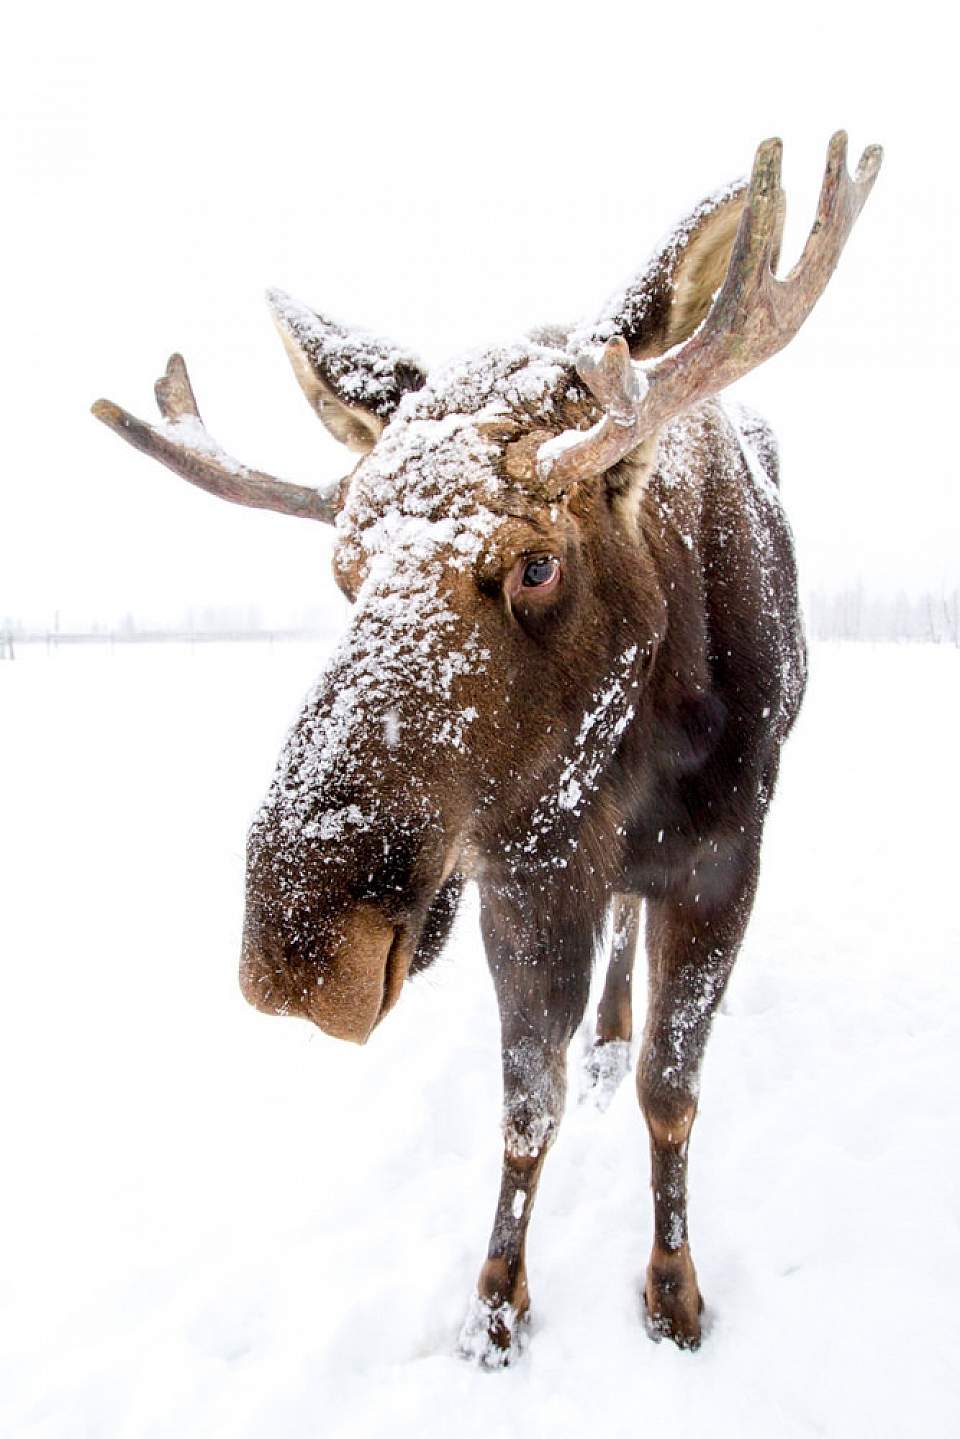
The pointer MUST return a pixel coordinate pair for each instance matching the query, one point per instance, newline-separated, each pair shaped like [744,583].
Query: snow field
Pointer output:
[227,1225]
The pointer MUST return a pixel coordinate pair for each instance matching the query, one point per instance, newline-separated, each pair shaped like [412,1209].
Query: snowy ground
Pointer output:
[219,1224]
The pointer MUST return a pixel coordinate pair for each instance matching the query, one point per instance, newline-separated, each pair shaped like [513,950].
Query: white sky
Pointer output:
[447,175]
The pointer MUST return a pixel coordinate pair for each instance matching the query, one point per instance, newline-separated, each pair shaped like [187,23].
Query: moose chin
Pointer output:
[575,653]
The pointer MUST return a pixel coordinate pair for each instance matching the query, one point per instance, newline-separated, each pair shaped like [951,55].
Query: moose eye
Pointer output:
[532,585]
[540,571]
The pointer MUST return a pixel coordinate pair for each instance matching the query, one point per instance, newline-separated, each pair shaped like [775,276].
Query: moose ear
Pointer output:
[694,265]
[352,379]
[663,305]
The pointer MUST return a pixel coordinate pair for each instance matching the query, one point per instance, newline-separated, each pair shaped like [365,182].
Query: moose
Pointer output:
[576,652]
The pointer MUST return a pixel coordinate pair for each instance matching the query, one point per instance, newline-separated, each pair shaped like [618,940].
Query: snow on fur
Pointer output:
[362,367]
[312,1274]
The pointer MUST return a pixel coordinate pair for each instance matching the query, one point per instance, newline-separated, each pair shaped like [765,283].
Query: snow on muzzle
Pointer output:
[337,903]
[359,980]
[363,821]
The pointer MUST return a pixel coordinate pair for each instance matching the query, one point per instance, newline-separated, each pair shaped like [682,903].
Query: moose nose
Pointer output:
[347,990]
[260,983]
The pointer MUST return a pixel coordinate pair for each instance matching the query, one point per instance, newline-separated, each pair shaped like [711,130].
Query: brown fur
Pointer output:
[575,655]
[692,564]
[572,694]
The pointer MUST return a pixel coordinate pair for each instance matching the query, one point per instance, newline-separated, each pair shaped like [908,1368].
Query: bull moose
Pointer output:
[575,655]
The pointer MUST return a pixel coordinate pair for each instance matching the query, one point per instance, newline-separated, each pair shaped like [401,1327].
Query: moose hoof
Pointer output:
[605,1067]
[672,1300]
[493,1335]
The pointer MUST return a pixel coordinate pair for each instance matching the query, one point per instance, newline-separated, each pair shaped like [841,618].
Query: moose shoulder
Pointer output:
[575,654]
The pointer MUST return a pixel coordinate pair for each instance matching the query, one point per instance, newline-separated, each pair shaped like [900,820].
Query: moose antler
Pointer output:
[753,317]
[184,445]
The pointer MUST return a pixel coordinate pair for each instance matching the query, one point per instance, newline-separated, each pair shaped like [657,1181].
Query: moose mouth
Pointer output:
[394,974]
[364,980]
[354,971]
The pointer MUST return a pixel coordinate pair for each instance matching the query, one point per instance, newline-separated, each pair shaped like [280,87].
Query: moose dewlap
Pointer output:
[575,654]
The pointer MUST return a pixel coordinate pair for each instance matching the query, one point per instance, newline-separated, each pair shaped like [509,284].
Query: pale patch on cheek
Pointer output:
[450,863]
[636,471]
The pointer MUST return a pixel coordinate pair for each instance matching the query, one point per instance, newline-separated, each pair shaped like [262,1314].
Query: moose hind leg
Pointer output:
[607,1062]
[691,954]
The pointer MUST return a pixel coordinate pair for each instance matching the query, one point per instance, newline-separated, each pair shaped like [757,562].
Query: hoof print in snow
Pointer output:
[605,1067]
[493,1335]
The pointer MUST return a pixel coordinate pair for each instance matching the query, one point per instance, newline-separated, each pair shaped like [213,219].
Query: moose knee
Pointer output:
[669,1113]
[532,1100]
[528,1130]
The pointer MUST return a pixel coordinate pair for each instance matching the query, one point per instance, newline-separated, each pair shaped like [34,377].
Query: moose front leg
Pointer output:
[542,986]
[534,1087]
[691,949]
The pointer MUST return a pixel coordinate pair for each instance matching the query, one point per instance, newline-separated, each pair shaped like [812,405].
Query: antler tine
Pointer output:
[615,384]
[762,222]
[841,200]
[174,392]
[738,314]
[185,446]
[618,386]
[752,318]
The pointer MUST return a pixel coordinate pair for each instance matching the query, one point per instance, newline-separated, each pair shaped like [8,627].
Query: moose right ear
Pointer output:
[664,304]
[352,379]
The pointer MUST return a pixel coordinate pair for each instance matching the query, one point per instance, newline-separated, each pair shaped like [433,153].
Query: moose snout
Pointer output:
[345,989]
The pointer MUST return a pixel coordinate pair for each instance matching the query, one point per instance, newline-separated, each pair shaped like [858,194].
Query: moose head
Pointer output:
[574,654]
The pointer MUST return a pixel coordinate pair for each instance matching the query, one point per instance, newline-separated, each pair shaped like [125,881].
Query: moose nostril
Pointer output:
[260,981]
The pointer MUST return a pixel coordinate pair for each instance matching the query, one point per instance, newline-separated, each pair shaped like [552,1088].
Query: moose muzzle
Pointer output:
[346,991]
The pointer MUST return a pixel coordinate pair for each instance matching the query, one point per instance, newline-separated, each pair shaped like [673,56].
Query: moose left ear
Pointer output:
[352,379]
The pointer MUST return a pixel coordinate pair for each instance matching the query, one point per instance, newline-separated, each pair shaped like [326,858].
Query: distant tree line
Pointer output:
[850,614]
[853,614]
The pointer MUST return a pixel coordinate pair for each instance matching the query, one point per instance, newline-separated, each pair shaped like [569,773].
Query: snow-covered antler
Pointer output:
[183,444]
[753,317]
